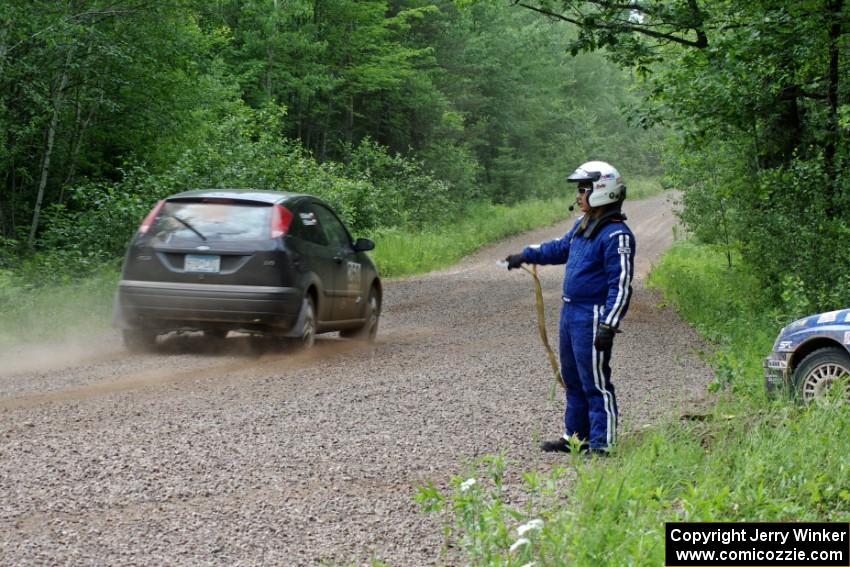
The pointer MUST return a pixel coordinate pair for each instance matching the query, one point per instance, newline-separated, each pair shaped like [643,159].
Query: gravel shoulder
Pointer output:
[200,455]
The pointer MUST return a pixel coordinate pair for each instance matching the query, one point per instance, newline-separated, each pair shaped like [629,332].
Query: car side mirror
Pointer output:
[363,245]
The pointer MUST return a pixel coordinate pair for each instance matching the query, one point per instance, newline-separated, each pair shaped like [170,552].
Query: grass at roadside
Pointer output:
[643,187]
[400,252]
[749,459]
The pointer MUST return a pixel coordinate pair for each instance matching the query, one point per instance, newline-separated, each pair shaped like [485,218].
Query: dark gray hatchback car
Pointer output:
[276,263]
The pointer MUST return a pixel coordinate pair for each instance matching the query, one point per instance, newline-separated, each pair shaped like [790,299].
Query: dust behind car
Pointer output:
[264,262]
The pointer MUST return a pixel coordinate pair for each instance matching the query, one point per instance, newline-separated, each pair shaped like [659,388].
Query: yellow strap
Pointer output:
[541,324]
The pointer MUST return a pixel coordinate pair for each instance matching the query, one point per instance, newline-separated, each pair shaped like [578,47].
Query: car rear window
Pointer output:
[216,221]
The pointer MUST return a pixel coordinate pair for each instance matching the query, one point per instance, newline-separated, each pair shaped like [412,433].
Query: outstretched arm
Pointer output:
[551,252]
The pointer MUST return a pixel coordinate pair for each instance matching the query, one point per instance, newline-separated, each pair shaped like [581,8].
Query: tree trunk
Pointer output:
[48,150]
[81,128]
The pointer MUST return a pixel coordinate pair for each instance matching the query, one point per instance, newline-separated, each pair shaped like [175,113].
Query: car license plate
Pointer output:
[202,263]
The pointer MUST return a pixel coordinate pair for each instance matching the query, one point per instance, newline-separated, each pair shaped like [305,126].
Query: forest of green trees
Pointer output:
[758,96]
[400,112]
[397,112]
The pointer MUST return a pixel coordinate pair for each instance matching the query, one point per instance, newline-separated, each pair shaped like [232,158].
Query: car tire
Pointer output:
[308,330]
[818,371]
[139,340]
[369,330]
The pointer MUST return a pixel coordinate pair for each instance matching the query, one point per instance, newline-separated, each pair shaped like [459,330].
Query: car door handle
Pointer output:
[338,259]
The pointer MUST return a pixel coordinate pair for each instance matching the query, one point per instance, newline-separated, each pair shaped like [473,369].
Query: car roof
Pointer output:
[257,195]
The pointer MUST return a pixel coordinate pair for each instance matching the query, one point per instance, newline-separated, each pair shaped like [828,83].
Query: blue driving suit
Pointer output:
[597,289]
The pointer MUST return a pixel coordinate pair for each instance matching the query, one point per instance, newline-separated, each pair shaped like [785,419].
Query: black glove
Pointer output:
[604,337]
[514,261]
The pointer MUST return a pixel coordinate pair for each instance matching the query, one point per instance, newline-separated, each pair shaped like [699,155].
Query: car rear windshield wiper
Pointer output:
[189,226]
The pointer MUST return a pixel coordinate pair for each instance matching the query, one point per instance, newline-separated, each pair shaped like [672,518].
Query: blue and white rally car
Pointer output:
[809,355]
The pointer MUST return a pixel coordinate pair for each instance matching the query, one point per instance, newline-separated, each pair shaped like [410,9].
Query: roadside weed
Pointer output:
[402,252]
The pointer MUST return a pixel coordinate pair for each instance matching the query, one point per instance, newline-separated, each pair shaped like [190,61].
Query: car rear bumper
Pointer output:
[163,305]
[777,376]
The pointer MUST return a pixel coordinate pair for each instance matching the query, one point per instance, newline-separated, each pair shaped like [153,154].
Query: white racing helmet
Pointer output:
[607,184]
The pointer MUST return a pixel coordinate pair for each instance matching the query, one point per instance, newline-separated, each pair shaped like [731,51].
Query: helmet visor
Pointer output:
[582,175]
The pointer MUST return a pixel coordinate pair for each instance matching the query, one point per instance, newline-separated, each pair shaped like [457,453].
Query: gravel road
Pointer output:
[214,456]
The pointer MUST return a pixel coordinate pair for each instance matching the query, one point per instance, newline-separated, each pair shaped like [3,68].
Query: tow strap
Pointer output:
[541,324]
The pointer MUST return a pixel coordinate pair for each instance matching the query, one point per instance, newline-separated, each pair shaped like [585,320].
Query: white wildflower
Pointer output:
[532,564]
[535,524]
[467,484]
[519,543]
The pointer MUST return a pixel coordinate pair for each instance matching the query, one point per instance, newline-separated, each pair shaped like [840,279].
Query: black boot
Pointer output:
[560,445]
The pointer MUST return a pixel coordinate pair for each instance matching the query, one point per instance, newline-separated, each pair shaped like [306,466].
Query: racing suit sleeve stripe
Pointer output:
[599,381]
[624,289]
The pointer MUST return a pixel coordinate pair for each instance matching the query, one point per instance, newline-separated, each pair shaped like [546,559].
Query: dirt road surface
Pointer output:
[209,455]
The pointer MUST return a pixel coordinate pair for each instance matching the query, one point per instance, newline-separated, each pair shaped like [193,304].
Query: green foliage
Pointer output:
[402,194]
[392,111]
[767,467]
[746,459]
[727,305]
[753,94]
[779,222]
[373,190]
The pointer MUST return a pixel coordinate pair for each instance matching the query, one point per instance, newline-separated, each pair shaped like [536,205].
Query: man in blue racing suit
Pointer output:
[599,253]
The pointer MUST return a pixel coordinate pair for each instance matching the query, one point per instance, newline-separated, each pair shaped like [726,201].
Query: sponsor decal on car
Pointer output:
[353,274]
[847,338]
[309,219]
[785,345]
[828,317]
[624,250]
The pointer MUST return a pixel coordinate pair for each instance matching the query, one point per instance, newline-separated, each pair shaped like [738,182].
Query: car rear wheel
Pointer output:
[369,330]
[819,371]
[308,330]
[139,340]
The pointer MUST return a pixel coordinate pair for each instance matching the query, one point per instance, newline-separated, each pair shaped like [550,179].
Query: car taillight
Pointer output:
[146,224]
[281,219]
